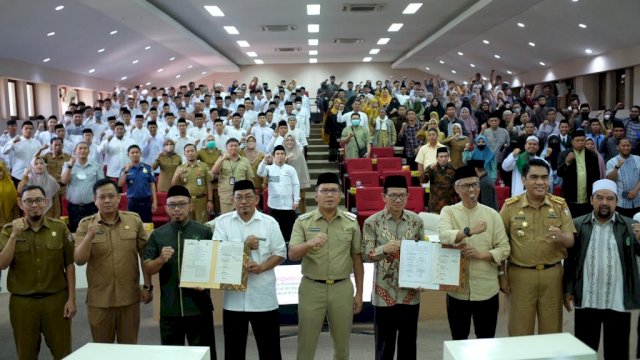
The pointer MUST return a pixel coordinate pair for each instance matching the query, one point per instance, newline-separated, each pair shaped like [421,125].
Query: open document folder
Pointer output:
[214,264]
[432,266]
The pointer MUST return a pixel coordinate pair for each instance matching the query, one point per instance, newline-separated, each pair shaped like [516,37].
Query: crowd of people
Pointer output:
[213,153]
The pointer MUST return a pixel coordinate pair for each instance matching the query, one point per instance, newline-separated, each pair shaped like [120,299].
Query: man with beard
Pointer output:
[601,273]
[624,169]
[516,161]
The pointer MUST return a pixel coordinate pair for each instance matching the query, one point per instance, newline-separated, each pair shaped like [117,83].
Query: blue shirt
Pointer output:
[139,179]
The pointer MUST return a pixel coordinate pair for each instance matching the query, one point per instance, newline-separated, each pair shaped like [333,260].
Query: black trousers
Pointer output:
[286,219]
[411,161]
[141,206]
[266,330]
[617,326]
[399,321]
[484,314]
[77,212]
[198,330]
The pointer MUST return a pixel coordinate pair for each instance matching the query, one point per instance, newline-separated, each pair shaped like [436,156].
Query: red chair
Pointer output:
[359,165]
[160,216]
[64,205]
[265,198]
[390,163]
[405,173]
[368,202]
[382,152]
[122,206]
[502,194]
[415,202]
[366,178]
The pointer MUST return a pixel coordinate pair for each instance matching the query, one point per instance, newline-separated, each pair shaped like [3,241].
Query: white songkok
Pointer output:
[533,138]
[604,184]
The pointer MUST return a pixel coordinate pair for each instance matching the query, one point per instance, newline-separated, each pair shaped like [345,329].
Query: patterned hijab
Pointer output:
[8,192]
[44,180]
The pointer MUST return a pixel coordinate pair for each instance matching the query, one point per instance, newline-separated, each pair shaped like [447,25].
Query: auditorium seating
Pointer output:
[368,202]
[382,152]
[160,216]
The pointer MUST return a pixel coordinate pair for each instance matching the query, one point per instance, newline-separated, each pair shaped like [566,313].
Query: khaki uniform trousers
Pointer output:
[315,300]
[31,316]
[303,204]
[535,292]
[200,213]
[112,324]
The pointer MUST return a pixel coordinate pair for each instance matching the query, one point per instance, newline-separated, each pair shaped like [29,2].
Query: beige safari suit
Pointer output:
[195,180]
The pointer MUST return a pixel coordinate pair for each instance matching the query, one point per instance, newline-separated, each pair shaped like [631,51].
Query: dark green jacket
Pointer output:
[176,301]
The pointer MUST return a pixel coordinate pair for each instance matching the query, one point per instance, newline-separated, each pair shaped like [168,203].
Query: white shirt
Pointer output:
[180,144]
[346,118]
[238,134]
[151,149]
[115,152]
[22,153]
[198,133]
[299,134]
[303,116]
[140,135]
[45,137]
[221,141]
[517,187]
[251,117]
[94,155]
[284,186]
[261,288]
[263,136]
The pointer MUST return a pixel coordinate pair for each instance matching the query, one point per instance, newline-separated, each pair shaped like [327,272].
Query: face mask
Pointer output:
[98,116]
[607,117]
[355,122]
[211,145]
[168,148]
[481,147]
[517,110]
[298,106]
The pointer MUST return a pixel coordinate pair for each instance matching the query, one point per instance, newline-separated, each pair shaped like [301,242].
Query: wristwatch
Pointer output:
[467,232]
[147,287]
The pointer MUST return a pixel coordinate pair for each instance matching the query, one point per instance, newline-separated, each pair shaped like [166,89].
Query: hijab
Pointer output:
[485,154]
[298,162]
[553,142]
[44,180]
[8,192]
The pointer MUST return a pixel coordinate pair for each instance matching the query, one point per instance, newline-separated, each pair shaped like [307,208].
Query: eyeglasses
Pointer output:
[30,202]
[329,191]
[180,205]
[240,198]
[400,197]
[107,196]
[472,186]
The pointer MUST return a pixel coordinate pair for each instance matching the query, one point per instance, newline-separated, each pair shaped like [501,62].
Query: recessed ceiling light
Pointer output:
[113,32]
[204,73]
[59,7]
[148,83]
[520,24]
[101,50]
[574,0]
[542,63]
[313,52]
[252,54]
[123,78]
[453,71]
[441,61]
[383,41]
[486,42]
[190,67]
[313,9]
[313,42]
[472,65]
[92,71]
[460,53]
[582,26]
[374,51]
[172,58]
[588,51]
[214,10]
[313,60]
[258,61]
[395,27]
[532,43]
[509,72]
[427,68]
[46,60]
[313,28]
[412,8]
[147,47]
[135,61]
[243,43]
[367,59]
[178,76]
[231,30]
[160,70]
[51,33]
[496,56]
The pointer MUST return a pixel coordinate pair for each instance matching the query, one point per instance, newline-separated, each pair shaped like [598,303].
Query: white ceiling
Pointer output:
[184,30]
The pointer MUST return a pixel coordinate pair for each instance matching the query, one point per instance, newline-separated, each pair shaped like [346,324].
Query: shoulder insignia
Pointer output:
[349,215]
[130,213]
[512,200]
[305,216]
[87,218]
[557,199]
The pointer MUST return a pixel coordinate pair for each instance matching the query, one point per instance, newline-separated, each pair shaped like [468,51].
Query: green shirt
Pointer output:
[40,259]
[581,168]
[362,138]
[176,301]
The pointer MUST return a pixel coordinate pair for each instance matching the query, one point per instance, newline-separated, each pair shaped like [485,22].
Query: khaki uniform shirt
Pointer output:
[195,179]
[113,270]
[54,167]
[40,258]
[333,260]
[239,170]
[210,157]
[528,229]
[168,166]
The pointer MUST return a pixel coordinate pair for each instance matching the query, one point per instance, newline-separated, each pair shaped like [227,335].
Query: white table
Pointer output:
[537,347]
[93,351]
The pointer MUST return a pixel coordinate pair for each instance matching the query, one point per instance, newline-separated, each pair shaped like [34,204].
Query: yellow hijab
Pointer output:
[8,193]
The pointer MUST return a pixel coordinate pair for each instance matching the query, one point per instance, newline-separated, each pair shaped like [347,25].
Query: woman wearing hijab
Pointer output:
[37,174]
[384,99]
[457,144]
[296,159]
[434,120]
[591,145]
[435,106]
[254,156]
[168,161]
[8,197]
[333,129]
[469,122]
[482,152]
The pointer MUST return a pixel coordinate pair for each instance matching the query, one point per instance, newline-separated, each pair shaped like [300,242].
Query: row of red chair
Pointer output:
[382,164]
[369,201]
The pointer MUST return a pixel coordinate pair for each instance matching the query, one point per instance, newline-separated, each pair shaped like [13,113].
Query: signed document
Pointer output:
[196,261]
[429,265]
[214,264]
[229,263]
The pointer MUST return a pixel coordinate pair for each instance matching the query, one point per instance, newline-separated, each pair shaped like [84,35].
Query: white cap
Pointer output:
[533,138]
[604,184]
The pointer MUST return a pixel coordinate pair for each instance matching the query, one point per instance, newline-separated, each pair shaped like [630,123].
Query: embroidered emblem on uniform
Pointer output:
[126,227]
[53,234]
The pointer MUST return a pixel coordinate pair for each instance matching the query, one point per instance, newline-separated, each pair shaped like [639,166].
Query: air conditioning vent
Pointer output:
[362,8]
[287,49]
[278,28]
[347,41]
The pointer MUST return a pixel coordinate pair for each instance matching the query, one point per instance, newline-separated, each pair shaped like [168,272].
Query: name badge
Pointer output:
[21,240]
[144,170]
[314,229]
[520,218]
[232,180]
[199,181]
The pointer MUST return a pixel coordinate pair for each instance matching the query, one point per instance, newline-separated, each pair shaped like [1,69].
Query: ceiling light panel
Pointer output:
[395,27]
[258,61]
[374,51]
[214,10]
[367,59]
[313,28]
[243,43]
[313,60]
[313,9]
[412,8]
[313,52]
[252,54]
[383,41]
[313,42]
[231,30]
